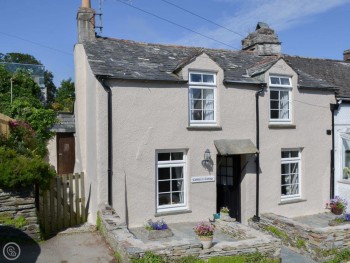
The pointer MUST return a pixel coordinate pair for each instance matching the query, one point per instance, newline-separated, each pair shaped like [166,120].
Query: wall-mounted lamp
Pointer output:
[206,156]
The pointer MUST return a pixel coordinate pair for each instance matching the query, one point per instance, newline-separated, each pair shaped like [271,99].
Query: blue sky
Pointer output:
[47,29]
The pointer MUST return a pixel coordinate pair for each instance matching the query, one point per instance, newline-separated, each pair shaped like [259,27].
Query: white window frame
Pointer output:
[288,161]
[201,85]
[344,149]
[169,164]
[281,87]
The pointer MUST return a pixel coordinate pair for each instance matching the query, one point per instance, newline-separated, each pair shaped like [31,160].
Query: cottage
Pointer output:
[177,132]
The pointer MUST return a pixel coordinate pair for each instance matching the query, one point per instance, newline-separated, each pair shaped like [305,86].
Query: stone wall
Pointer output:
[128,246]
[316,243]
[20,204]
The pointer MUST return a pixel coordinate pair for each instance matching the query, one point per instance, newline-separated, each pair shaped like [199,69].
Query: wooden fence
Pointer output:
[63,204]
[4,124]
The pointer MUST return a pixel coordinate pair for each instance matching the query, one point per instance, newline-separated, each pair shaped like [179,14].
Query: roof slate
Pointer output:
[130,60]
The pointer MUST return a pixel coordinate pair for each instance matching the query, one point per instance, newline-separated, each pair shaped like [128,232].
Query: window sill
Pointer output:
[291,201]
[175,212]
[204,128]
[344,181]
[282,126]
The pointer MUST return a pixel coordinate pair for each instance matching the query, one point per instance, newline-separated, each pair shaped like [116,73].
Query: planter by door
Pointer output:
[337,211]
[207,241]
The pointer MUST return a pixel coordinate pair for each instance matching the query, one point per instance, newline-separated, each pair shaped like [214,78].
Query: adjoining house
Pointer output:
[342,132]
[36,72]
[177,132]
[61,147]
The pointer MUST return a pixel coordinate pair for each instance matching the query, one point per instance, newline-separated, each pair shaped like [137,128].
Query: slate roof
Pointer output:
[130,60]
[66,123]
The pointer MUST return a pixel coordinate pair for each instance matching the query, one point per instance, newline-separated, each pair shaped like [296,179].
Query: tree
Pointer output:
[65,96]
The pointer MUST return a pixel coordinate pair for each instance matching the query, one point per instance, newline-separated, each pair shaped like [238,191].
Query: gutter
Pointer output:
[103,80]
[333,108]
[256,217]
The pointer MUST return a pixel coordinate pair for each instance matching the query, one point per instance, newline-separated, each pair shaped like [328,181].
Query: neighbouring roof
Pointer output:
[66,123]
[125,59]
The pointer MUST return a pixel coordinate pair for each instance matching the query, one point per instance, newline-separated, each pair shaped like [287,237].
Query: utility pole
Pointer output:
[11,80]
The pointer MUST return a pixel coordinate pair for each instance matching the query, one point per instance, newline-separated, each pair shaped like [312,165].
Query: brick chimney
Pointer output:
[346,55]
[86,22]
[263,41]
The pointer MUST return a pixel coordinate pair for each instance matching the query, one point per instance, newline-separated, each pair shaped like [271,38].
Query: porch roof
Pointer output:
[232,147]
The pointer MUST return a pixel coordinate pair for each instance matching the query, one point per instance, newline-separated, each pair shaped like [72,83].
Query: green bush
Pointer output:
[19,171]
[149,257]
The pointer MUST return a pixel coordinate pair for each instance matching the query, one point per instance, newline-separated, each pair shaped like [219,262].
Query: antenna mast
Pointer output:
[100,15]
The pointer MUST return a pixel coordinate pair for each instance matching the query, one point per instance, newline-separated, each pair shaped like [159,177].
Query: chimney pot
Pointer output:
[346,55]
[86,4]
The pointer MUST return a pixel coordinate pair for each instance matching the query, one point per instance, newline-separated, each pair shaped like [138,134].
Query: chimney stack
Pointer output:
[263,41]
[346,55]
[86,22]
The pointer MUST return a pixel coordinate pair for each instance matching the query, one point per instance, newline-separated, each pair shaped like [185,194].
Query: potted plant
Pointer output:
[157,229]
[224,213]
[346,173]
[205,232]
[337,205]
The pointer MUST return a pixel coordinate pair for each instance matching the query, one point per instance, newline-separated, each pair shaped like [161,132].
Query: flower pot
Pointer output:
[337,211]
[207,241]
[224,216]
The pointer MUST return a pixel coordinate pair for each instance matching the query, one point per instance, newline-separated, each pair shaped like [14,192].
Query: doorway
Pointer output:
[228,184]
[65,153]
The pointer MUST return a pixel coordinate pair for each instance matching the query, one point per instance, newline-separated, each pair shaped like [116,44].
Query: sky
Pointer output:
[46,29]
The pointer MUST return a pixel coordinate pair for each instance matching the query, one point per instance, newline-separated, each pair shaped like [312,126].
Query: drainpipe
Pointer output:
[333,107]
[256,217]
[107,88]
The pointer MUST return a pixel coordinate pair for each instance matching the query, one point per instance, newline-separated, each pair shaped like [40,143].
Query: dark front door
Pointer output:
[229,184]
[65,153]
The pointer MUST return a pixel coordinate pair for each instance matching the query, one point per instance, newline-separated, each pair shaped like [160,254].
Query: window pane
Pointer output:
[164,199]
[285,81]
[196,115]
[197,104]
[230,171]
[178,198]
[176,172]
[164,186]
[208,115]
[294,153]
[230,181]
[208,78]
[196,77]
[208,105]
[285,154]
[274,114]
[177,156]
[285,168]
[196,93]
[163,156]
[223,171]
[285,179]
[274,105]
[275,80]
[274,95]
[294,189]
[177,185]
[163,173]
[208,94]
[229,161]
[284,114]
[286,190]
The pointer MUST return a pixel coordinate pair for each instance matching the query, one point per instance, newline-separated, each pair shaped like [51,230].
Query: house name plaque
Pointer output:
[203,179]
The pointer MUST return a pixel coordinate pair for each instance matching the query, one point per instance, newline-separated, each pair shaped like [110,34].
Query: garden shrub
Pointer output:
[19,171]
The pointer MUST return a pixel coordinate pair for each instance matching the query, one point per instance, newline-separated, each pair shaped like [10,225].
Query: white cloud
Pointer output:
[279,14]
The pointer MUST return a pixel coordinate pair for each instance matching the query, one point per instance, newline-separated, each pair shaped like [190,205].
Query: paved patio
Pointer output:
[230,238]
[316,221]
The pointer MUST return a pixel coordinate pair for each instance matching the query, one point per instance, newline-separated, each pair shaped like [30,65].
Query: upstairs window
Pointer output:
[346,158]
[202,95]
[280,99]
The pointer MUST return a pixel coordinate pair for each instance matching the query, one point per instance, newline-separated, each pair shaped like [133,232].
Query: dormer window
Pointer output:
[280,99]
[202,96]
